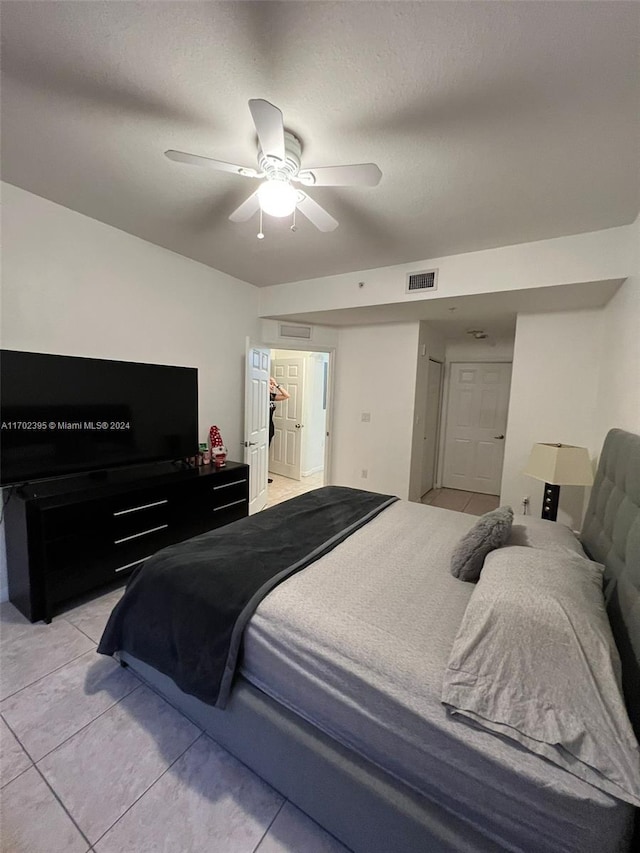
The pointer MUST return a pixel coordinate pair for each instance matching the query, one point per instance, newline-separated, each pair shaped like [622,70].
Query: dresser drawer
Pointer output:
[236,488]
[138,521]
[138,501]
[122,514]
[71,519]
[104,553]
[232,511]
[214,491]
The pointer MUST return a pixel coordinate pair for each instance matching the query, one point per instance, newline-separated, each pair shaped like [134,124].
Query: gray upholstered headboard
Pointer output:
[611,535]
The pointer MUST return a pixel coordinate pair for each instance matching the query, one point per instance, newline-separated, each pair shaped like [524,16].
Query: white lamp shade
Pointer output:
[560,465]
[277,198]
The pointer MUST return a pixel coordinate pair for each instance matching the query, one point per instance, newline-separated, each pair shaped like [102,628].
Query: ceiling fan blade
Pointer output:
[316,214]
[218,165]
[269,126]
[358,175]
[246,209]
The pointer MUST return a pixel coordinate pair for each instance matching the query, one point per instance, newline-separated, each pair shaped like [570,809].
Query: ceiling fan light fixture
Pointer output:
[277,198]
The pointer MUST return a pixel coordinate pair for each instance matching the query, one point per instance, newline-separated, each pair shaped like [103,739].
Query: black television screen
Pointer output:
[64,415]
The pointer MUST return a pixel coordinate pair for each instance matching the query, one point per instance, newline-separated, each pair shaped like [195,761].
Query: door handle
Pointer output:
[498,436]
[298,426]
[250,443]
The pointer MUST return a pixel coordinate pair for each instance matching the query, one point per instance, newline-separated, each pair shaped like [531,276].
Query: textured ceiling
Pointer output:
[493,123]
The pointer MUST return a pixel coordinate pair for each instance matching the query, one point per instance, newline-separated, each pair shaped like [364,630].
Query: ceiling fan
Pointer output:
[279,165]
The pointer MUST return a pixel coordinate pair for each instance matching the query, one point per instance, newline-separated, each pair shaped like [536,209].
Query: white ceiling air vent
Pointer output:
[420,281]
[288,330]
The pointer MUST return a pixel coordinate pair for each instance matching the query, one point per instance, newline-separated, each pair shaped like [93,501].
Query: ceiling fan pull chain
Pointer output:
[260,232]
[293,224]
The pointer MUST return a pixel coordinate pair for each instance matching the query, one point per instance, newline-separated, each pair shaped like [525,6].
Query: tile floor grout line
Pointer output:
[6,722]
[64,808]
[17,776]
[146,790]
[268,829]
[33,764]
[69,622]
[86,725]
[40,677]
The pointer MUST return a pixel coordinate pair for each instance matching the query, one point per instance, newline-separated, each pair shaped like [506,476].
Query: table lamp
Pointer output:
[558,465]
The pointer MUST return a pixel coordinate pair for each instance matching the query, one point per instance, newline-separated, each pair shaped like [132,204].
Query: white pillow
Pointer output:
[535,662]
[540,533]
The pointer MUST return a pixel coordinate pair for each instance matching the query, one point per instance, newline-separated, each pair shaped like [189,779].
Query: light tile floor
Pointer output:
[284,488]
[472,503]
[93,760]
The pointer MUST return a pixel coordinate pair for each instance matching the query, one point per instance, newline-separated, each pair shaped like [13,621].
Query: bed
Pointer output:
[340,668]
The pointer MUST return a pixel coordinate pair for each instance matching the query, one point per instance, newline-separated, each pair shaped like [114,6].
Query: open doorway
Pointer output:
[297,453]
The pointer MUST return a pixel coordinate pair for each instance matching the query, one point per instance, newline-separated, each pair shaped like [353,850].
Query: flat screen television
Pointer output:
[64,415]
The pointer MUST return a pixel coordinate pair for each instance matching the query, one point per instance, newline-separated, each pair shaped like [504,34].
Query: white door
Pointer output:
[256,424]
[286,447]
[476,426]
[431,420]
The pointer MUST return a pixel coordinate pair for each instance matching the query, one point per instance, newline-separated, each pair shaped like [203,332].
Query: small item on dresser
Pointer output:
[204,453]
[218,450]
[219,454]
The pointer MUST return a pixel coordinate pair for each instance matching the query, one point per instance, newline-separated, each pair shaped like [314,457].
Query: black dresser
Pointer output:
[70,536]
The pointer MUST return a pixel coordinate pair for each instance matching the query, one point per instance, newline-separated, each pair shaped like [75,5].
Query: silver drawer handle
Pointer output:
[135,563]
[143,506]
[226,485]
[226,506]
[143,533]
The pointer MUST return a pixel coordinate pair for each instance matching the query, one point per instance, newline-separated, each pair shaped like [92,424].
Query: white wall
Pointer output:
[575,376]
[596,256]
[375,373]
[75,286]
[323,338]
[618,395]
[556,364]
[489,349]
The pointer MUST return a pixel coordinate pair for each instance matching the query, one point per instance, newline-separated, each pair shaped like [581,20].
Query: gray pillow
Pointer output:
[535,662]
[490,531]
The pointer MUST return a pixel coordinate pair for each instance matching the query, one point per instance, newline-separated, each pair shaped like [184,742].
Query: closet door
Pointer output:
[476,426]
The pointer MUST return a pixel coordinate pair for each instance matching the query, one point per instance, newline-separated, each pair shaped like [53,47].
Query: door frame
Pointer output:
[439,425]
[306,346]
[249,346]
[445,405]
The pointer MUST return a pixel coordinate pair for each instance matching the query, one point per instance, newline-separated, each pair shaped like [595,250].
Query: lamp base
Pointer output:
[550,502]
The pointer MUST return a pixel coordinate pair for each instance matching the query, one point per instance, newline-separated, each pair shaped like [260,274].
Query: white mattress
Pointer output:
[357,644]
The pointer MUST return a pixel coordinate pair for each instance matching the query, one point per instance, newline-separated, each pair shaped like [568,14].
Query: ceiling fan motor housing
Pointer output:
[275,169]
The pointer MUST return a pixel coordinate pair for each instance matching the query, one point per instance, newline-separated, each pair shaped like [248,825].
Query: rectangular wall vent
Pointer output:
[425,280]
[287,330]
